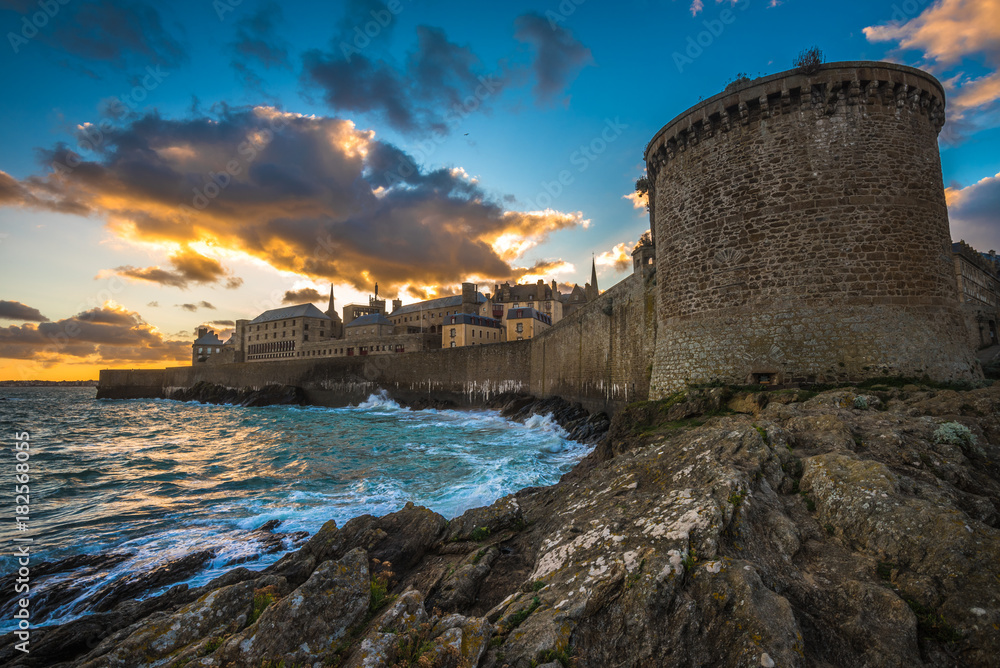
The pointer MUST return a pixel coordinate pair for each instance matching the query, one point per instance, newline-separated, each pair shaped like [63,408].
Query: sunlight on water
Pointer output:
[161,479]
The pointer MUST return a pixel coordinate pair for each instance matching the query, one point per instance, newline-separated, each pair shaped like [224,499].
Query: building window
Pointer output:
[452,332]
[199,351]
[453,344]
[519,328]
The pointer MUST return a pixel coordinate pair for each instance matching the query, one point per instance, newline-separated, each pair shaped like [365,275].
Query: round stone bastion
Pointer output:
[802,235]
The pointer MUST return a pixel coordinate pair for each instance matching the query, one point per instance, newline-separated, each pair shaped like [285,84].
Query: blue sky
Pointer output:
[423,153]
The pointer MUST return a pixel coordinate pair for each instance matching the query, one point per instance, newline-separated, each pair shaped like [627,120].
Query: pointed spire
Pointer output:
[594,290]
[332,308]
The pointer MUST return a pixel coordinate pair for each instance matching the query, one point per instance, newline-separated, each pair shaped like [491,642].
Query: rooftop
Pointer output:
[208,339]
[370,319]
[297,311]
[472,319]
[440,302]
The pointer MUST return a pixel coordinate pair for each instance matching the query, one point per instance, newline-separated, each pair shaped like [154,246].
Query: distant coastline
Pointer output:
[48,383]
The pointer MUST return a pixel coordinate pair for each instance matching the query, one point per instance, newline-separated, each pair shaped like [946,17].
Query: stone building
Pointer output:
[206,344]
[467,329]
[526,323]
[353,311]
[430,316]
[801,233]
[579,297]
[545,298]
[280,333]
[978,280]
[371,326]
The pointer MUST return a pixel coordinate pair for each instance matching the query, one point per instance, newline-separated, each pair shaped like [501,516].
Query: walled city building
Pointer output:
[799,234]
[978,278]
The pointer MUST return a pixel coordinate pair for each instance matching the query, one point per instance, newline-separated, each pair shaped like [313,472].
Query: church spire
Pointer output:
[330,311]
[593,292]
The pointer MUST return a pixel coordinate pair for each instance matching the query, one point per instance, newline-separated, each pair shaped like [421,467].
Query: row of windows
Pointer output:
[305,337]
[477,332]
[209,350]
[273,347]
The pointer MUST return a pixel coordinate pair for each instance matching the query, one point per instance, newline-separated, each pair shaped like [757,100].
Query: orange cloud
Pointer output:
[953,33]
[974,212]
[310,195]
[85,342]
[638,201]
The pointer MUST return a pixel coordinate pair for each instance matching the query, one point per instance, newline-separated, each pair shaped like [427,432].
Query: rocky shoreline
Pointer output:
[854,527]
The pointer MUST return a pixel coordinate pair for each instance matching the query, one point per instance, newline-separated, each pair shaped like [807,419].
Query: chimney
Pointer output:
[397,304]
[468,293]
[202,331]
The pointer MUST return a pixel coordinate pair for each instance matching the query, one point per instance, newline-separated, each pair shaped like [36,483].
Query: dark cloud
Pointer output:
[223,323]
[302,296]
[188,307]
[204,304]
[104,334]
[440,83]
[310,195]
[118,33]
[558,58]
[20,312]
[189,267]
[153,304]
[258,43]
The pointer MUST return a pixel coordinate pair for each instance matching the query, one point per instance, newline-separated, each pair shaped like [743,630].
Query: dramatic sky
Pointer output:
[167,165]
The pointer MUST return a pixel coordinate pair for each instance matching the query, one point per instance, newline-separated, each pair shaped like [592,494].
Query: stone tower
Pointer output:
[801,233]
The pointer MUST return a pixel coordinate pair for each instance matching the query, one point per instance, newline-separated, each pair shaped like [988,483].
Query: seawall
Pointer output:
[597,357]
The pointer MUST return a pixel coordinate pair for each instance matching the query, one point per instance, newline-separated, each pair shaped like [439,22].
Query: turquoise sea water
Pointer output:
[162,479]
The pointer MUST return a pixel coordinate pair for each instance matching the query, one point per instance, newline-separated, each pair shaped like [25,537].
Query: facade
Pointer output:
[354,311]
[580,297]
[205,345]
[281,333]
[545,298]
[467,329]
[977,276]
[526,323]
[801,233]
[371,326]
[430,316]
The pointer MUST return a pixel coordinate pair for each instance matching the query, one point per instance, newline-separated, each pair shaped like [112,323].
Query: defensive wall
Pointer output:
[802,235]
[598,356]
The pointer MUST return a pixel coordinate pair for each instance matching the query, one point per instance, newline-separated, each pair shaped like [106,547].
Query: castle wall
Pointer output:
[801,231]
[468,376]
[600,355]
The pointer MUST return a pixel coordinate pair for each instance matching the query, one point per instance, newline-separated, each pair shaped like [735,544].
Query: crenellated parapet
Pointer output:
[836,88]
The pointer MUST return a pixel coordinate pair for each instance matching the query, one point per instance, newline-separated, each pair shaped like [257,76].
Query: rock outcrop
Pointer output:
[846,528]
[269,395]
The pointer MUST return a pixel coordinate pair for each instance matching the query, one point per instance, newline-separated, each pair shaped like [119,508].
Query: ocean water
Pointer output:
[162,479]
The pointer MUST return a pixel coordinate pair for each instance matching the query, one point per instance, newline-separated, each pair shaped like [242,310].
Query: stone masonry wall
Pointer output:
[801,230]
[600,355]
[468,376]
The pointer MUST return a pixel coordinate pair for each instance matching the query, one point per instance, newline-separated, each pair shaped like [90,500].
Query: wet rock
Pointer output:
[136,585]
[269,395]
